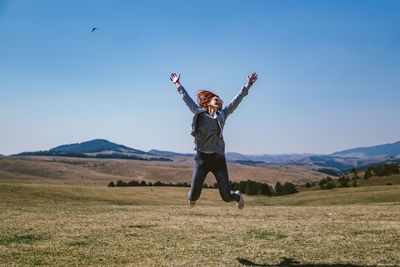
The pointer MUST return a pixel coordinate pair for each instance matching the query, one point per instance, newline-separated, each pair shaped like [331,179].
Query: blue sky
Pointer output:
[329,72]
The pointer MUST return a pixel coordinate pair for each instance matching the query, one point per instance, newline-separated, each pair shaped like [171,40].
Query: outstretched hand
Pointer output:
[252,78]
[175,78]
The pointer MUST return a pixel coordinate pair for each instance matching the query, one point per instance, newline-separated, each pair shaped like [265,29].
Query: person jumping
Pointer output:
[207,126]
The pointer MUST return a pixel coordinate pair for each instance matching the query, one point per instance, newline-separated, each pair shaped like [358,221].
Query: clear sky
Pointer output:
[329,72]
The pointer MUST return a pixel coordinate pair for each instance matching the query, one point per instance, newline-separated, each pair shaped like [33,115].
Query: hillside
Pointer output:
[97,148]
[337,196]
[87,171]
[93,146]
[387,150]
[102,171]
[384,180]
[169,153]
[338,161]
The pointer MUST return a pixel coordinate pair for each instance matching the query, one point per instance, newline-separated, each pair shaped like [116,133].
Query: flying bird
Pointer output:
[94,28]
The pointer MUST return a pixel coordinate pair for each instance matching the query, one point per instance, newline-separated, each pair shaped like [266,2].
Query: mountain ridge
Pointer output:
[93,146]
[389,149]
[96,148]
[340,160]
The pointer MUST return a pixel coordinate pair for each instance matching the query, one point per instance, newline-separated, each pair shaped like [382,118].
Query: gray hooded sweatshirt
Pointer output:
[206,130]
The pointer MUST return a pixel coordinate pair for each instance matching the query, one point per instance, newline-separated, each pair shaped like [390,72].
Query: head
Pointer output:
[207,99]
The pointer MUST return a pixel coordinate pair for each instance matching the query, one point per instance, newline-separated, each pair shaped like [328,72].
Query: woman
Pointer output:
[207,126]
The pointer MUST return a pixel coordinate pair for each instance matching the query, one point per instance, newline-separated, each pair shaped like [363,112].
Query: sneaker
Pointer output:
[240,204]
[191,203]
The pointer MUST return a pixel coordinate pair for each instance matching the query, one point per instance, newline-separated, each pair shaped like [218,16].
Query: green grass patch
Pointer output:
[79,244]
[263,234]
[22,239]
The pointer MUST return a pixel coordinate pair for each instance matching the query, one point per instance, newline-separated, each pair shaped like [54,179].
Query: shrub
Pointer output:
[285,189]
[265,189]
[251,187]
[242,186]
[344,181]
[367,174]
[289,188]
[385,169]
[133,183]
[278,189]
[330,185]
[120,183]
[111,184]
[327,183]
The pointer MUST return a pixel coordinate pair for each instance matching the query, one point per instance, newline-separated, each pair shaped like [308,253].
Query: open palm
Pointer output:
[175,78]
[252,78]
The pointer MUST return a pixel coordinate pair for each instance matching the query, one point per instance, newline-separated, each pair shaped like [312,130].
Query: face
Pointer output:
[215,102]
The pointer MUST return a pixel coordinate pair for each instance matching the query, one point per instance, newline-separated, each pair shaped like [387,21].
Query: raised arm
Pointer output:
[251,79]
[186,98]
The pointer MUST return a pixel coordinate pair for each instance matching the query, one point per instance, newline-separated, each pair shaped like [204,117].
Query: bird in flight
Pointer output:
[94,28]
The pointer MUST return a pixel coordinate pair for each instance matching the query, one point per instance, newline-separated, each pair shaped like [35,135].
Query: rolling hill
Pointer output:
[99,161]
[97,148]
[387,150]
[93,146]
[100,171]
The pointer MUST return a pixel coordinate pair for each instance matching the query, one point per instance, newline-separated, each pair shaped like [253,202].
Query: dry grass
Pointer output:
[76,171]
[58,225]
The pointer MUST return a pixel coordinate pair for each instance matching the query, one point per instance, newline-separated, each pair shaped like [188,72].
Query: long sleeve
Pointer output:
[194,108]
[236,101]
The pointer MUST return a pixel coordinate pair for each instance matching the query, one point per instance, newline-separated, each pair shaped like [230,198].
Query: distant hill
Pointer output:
[265,158]
[169,153]
[242,158]
[344,163]
[338,161]
[357,157]
[93,146]
[386,150]
[97,148]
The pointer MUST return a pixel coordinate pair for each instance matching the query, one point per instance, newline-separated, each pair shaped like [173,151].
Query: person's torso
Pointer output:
[208,137]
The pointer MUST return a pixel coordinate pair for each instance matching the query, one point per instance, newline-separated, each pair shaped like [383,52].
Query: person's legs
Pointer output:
[220,171]
[199,174]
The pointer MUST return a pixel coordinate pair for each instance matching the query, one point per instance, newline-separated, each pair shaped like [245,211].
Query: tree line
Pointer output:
[81,155]
[248,187]
[352,178]
[382,170]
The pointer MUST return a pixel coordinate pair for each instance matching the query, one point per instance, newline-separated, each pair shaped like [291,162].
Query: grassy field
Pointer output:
[60,225]
[393,179]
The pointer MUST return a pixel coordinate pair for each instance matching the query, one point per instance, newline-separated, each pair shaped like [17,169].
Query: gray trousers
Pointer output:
[215,163]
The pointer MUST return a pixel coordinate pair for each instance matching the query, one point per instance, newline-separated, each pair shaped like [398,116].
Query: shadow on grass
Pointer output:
[288,262]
